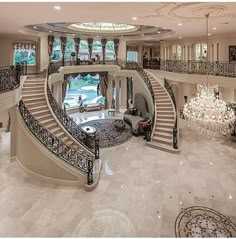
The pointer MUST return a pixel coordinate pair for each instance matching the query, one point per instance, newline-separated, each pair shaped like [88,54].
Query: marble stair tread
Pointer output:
[161,129]
[41,112]
[167,135]
[36,99]
[40,107]
[162,140]
[162,147]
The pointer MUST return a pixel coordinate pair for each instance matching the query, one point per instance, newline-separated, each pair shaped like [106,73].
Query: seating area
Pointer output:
[93,107]
[138,114]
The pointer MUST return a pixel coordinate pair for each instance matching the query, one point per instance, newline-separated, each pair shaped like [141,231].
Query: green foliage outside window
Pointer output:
[70,47]
[26,55]
[110,51]
[56,51]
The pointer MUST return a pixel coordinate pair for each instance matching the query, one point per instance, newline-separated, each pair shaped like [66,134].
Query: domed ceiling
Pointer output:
[90,29]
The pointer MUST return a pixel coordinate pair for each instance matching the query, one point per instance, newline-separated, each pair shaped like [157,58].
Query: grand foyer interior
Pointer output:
[72,166]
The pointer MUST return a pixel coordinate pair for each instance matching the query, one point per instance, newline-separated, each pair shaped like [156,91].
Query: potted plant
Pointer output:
[232,125]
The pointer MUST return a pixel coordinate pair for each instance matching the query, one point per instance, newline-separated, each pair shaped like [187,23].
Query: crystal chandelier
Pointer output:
[206,113]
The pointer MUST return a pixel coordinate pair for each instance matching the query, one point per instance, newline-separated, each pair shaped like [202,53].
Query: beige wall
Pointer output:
[6,49]
[223,52]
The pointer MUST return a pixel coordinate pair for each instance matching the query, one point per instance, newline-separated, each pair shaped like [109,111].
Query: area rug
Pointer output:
[203,222]
[108,134]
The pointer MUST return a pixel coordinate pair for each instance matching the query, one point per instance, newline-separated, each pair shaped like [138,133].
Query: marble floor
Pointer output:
[140,193]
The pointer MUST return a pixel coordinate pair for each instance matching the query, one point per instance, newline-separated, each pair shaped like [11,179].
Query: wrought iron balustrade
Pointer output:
[217,68]
[175,129]
[76,159]
[91,142]
[10,76]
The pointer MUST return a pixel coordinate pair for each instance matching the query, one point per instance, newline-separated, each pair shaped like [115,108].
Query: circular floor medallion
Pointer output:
[203,222]
[107,132]
[105,223]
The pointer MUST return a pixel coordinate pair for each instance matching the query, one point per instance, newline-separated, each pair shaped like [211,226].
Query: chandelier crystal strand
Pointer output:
[206,113]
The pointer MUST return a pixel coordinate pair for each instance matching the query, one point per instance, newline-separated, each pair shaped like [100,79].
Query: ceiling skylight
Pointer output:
[103,27]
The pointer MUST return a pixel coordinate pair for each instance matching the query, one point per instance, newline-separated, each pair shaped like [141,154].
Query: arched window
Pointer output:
[97,49]
[24,52]
[110,51]
[83,50]
[56,51]
[200,51]
[70,47]
[176,52]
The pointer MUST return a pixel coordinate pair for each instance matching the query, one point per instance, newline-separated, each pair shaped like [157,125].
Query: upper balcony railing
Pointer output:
[10,76]
[216,68]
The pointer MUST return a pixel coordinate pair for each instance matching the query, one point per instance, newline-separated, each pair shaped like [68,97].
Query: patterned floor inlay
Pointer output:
[105,223]
[108,134]
[203,222]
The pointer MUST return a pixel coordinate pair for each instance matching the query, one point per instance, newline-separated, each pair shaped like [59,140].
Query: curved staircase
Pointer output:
[40,119]
[165,117]
[33,95]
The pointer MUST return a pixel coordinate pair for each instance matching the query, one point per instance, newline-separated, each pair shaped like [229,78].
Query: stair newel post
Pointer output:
[90,47]
[90,170]
[96,148]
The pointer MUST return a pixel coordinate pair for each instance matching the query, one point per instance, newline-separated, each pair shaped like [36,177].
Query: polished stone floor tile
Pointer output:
[140,193]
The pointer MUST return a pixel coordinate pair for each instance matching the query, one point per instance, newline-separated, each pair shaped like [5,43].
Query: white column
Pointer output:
[122,50]
[109,91]
[117,94]
[43,49]
[124,92]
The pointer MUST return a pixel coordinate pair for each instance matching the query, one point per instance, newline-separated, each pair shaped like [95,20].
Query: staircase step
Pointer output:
[170,121]
[32,95]
[68,142]
[54,130]
[162,140]
[162,147]
[167,135]
[163,130]
[158,101]
[33,100]
[46,121]
[33,108]
[164,112]
[166,117]
[33,84]
[163,108]
[32,91]
[165,125]
[41,112]
[168,105]
[59,134]
[43,117]
[50,125]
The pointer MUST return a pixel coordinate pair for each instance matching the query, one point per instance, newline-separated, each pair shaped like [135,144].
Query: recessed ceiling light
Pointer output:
[158,32]
[134,18]
[121,36]
[142,34]
[180,37]
[57,7]
[50,31]
[34,27]
[209,34]
[214,28]
[164,28]
[180,24]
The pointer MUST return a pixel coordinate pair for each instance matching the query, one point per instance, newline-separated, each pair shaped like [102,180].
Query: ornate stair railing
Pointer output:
[90,142]
[175,129]
[56,146]
[217,68]
[10,77]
